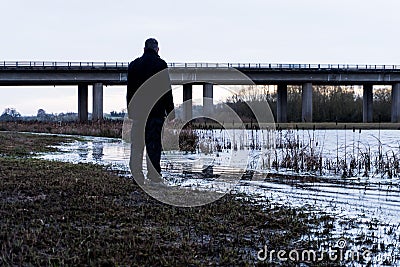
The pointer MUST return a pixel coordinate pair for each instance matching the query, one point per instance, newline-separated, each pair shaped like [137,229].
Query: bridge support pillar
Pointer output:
[97,102]
[208,106]
[396,102]
[367,103]
[82,102]
[187,102]
[306,107]
[281,111]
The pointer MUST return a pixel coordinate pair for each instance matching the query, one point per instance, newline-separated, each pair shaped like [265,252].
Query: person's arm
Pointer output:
[132,86]
[170,105]
[129,88]
[168,98]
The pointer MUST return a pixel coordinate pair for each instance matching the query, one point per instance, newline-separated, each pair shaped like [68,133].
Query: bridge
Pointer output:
[99,74]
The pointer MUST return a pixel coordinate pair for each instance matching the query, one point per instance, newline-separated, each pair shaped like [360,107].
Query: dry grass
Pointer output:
[106,128]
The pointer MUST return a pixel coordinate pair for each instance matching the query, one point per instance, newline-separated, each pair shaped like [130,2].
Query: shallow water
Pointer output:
[377,196]
[362,200]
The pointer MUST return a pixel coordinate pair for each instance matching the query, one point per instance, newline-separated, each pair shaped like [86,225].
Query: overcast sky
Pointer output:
[257,31]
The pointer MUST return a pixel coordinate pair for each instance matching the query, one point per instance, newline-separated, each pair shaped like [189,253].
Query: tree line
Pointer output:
[11,114]
[330,103]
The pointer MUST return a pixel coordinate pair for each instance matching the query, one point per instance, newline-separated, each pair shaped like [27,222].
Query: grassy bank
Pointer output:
[106,128]
[24,145]
[110,128]
[54,213]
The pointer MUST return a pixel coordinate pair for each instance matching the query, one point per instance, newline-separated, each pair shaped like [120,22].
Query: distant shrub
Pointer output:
[188,140]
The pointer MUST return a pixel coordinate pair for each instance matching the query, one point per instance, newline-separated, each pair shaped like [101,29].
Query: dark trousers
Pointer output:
[153,142]
[151,138]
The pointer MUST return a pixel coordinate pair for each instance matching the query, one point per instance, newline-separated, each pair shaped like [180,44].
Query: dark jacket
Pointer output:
[140,70]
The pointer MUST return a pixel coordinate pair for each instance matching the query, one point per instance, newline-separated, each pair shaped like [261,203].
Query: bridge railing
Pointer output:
[61,64]
[285,66]
[118,65]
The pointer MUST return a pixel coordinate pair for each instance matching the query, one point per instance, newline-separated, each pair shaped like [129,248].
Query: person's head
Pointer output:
[151,44]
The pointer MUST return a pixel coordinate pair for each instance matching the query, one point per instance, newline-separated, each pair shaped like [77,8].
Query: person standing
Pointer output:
[142,93]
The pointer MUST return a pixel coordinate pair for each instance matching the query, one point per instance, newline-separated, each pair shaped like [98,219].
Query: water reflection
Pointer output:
[97,151]
[83,151]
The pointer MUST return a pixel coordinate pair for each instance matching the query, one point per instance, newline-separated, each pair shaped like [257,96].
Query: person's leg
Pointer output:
[137,147]
[153,147]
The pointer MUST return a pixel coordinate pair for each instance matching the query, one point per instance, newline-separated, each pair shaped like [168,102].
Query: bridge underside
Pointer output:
[307,102]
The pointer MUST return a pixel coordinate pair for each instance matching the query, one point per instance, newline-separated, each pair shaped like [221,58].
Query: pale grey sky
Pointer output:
[257,31]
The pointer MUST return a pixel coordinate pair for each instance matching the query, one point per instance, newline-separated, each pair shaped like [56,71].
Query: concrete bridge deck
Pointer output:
[98,74]
[114,73]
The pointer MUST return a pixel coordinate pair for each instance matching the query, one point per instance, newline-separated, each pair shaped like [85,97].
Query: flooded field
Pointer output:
[350,174]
